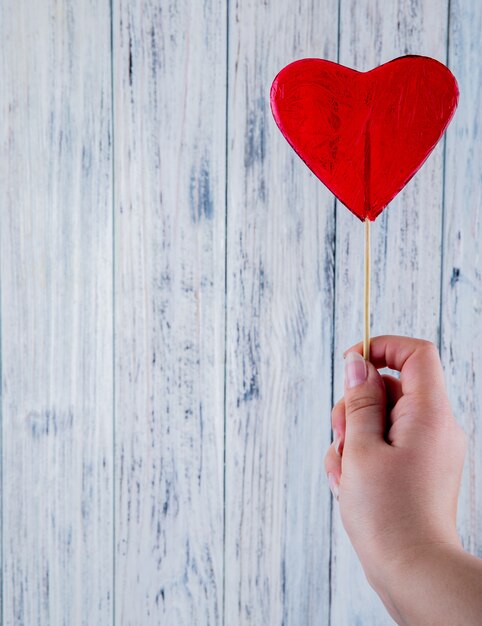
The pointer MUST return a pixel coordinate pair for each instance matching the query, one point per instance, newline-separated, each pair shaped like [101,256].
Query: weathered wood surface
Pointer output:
[461,297]
[170,106]
[279,332]
[56,313]
[177,290]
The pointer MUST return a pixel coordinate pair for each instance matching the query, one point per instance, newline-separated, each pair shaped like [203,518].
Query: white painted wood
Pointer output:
[56,312]
[145,525]
[406,250]
[462,280]
[170,105]
[279,332]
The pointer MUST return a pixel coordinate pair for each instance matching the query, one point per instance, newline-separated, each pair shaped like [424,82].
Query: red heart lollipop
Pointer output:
[364,134]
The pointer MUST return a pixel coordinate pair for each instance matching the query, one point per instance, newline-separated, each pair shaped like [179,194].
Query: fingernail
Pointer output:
[355,369]
[333,485]
[337,440]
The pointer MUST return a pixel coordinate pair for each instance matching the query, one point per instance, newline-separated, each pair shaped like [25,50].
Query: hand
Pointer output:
[402,455]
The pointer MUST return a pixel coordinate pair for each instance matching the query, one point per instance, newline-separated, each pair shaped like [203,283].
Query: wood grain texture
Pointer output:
[279,332]
[176,297]
[406,250]
[170,104]
[462,260]
[56,312]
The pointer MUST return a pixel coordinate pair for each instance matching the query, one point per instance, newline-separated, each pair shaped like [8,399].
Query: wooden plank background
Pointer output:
[176,292]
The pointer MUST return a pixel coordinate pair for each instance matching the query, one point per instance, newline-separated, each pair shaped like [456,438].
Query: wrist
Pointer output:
[390,561]
[400,581]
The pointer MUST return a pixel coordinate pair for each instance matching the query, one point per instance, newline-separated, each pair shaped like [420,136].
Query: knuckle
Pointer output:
[361,403]
[429,347]
[329,460]
[425,343]
[328,454]
[338,415]
[338,407]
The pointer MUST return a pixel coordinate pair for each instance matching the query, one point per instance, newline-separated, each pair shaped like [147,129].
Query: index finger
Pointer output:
[417,360]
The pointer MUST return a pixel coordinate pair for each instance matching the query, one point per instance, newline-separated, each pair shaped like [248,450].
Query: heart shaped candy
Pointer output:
[364,134]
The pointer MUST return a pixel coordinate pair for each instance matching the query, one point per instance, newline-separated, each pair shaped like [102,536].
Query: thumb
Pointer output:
[365,401]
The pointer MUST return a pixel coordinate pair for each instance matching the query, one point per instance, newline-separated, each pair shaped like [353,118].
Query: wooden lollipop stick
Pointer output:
[366,334]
